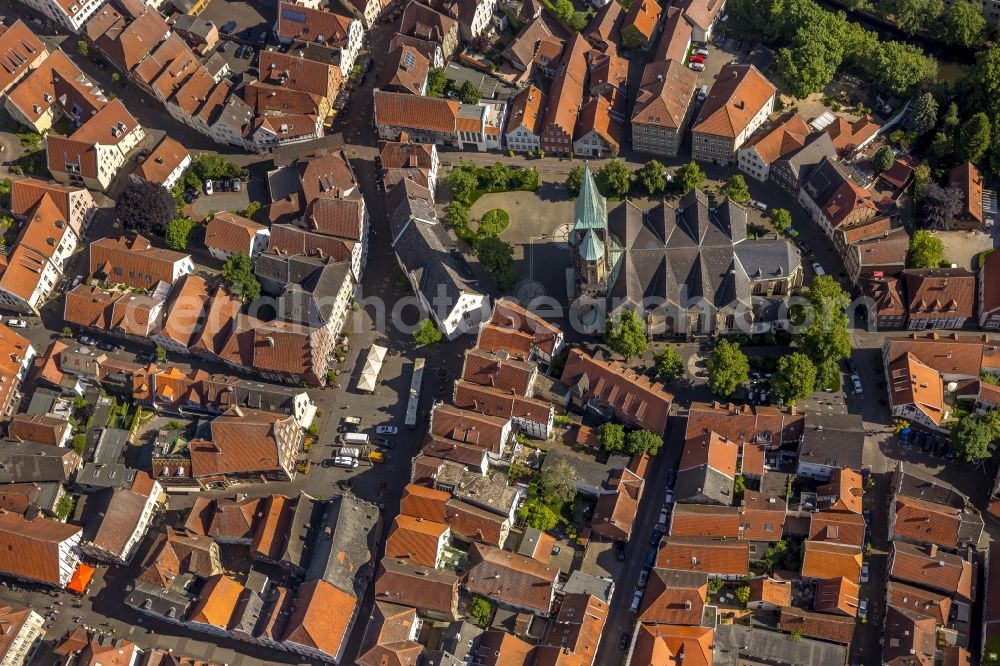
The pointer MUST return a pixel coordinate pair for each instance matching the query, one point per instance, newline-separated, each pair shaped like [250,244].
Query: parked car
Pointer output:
[702,51]
[697,58]
[17,323]
[643,577]
[144,357]
[818,269]
[345,461]
[657,536]
[387,430]
[856,381]
[106,346]
[623,641]
[697,66]
[702,93]
[805,247]
[208,188]
[664,515]
[225,46]
[863,609]
[87,340]
[228,28]
[620,550]
[864,572]
[234,184]
[636,601]
[650,558]
[759,205]
[668,498]
[671,477]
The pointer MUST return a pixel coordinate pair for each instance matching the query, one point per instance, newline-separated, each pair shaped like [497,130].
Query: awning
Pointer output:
[373,365]
[81,578]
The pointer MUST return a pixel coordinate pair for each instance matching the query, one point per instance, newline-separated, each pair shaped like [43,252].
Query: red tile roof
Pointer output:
[831,560]
[322,617]
[29,549]
[19,49]
[231,233]
[674,597]
[672,645]
[834,527]
[837,595]
[512,579]
[817,625]
[738,94]
[929,567]
[927,522]
[507,374]
[412,111]
[940,293]
[712,556]
[705,520]
[415,539]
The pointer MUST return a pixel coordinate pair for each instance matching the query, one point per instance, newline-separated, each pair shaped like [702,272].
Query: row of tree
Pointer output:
[814,43]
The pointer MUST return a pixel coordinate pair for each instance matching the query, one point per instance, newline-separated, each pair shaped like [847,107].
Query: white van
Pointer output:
[343,461]
[355,438]
[349,452]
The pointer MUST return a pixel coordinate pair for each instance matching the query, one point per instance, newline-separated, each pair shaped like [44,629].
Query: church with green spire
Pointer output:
[589,240]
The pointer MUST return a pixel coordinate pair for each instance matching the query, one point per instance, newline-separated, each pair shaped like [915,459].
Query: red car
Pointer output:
[697,58]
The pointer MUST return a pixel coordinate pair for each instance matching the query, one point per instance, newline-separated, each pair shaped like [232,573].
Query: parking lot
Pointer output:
[253,26]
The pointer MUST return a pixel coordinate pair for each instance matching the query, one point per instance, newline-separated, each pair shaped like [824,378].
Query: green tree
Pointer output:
[806,69]
[481,609]
[728,367]
[436,82]
[652,177]
[689,177]
[743,594]
[942,146]
[238,275]
[615,177]
[64,507]
[493,222]
[926,250]
[179,232]
[611,436]
[964,23]
[781,219]
[536,514]
[83,48]
[883,158]
[971,438]
[739,485]
[951,120]
[251,209]
[497,258]
[427,333]
[5,193]
[795,378]
[669,364]
[899,68]
[574,181]
[974,139]
[736,189]
[161,354]
[626,335]
[463,184]
[826,340]
[116,77]
[994,147]
[921,180]
[469,93]
[557,483]
[495,177]
[913,16]
[643,441]
[923,114]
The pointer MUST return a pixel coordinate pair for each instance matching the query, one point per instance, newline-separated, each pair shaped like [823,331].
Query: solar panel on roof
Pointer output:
[293,15]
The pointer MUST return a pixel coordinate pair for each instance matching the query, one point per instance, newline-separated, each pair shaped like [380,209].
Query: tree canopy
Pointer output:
[643,441]
[781,219]
[469,93]
[497,258]
[883,158]
[669,364]
[926,250]
[652,177]
[923,114]
[974,139]
[627,335]
[827,339]
[795,378]
[940,205]
[427,333]
[964,23]
[688,177]
[178,233]
[536,514]
[972,436]
[615,178]
[611,436]
[556,483]
[736,188]
[146,208]
[238,275]
[574,181]
[728,367]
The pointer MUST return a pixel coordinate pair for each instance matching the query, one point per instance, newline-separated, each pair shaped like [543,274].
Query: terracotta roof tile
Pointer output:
[929,567]
[30,548]
[487,369]
[596,116]
[781,139]
[133,262]
[935,605]
[231,233]
[704,520]
[476,524]
[298,73]
[502,404]
[967,178]
[926,522]
[770,591]
[19,49]
[38,428]
[470,427]
[674,597]
[415,539]
[762,516]
[847,135]
[567,92]
[669,644]
[527,109]
[664,95]
[575,633]
[500,648]
[817,625]
[512,579]
[409,584]
[642,16]
[405,110]
[836,595]
[322,618]
[739,93]
[423,502]
[302,23]
[166,156]
[712,556]
[908,638]
[405,70]
[675,38]
[940,293]
[833,527]
[633,397]
[831,560]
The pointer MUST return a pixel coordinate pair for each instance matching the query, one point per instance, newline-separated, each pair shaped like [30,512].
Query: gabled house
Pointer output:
[598,134]
[423,22]
[524,121]
[781,138]
[739,102]
[939,298]
[227,233]
[38,550]
[988,292]
[663,107]
[519,332]
[93,154]
[23,51]
[639,25]
[833,200]
[341,36]
[969,181]
[164,165]
[707,470]
[566,96]
[850,136]
[513,581]
[136,263]
[423,119]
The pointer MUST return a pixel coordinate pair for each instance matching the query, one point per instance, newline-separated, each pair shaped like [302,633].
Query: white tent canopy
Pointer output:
[373,365]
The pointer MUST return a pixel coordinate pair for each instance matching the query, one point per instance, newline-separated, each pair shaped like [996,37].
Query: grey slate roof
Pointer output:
[581,583]
[824,179]
[739,644]
[343,544]
[23,461]
[110,475]
[170,602]
[703,482]
[802,162]
[833,440]
[310,301]
[689,253]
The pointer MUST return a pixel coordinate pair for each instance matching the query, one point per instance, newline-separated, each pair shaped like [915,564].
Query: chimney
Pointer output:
[932,551]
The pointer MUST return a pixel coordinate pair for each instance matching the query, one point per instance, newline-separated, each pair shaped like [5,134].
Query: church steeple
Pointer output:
[591,209]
